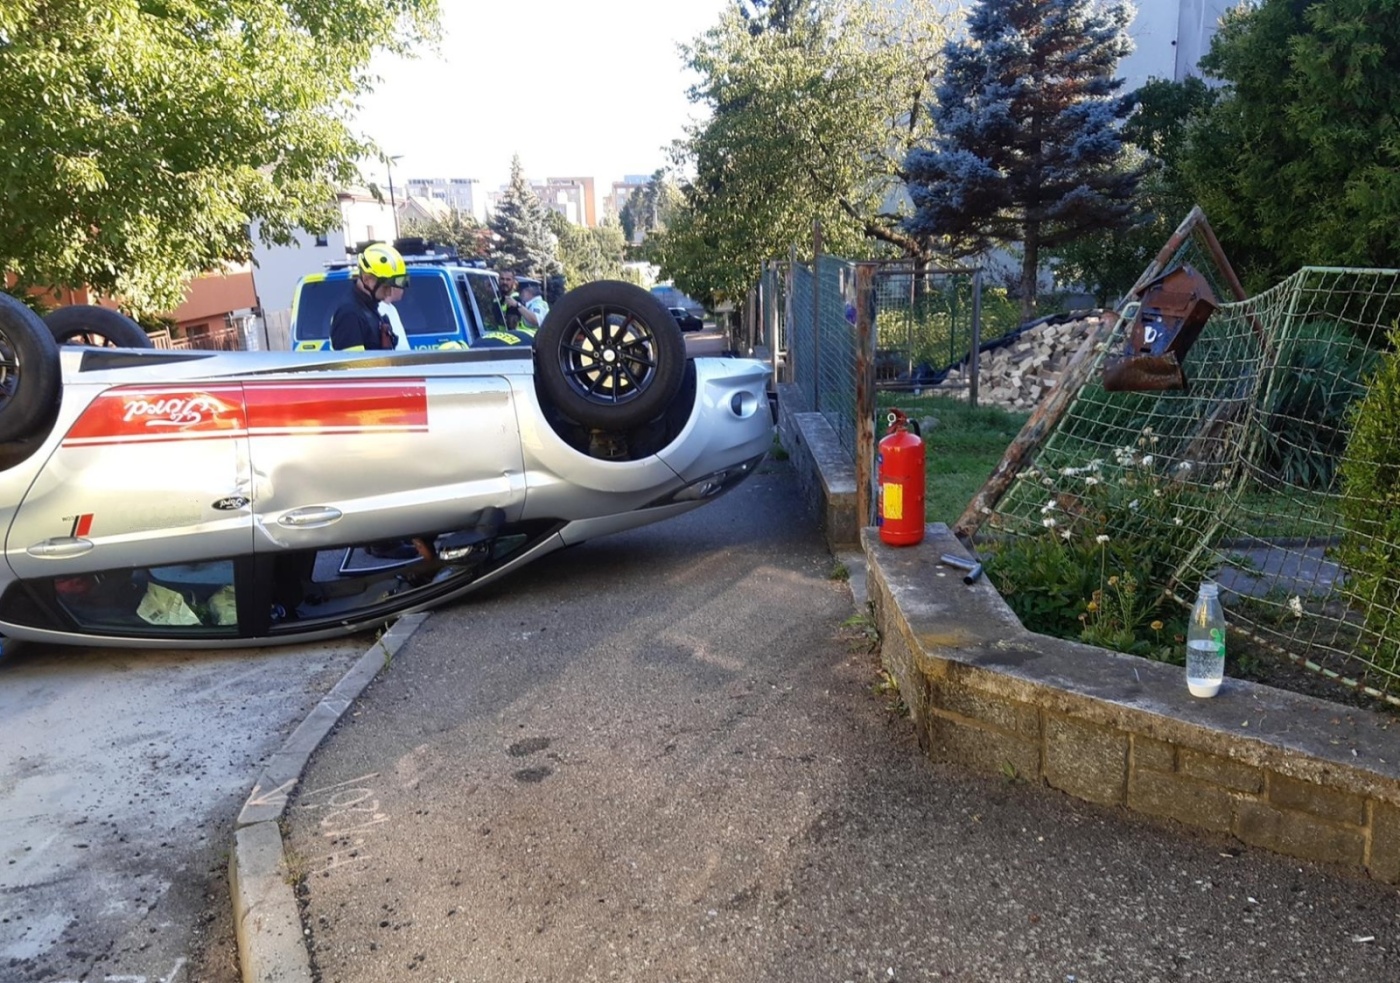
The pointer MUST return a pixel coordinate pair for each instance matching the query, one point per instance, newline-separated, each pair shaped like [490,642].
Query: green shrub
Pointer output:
[1370,547]
[1317,378]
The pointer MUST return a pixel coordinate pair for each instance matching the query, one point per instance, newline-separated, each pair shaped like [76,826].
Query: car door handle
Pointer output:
[313,515]
[63,546]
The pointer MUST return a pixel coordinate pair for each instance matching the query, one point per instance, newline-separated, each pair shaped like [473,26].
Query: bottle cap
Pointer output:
[1209,589]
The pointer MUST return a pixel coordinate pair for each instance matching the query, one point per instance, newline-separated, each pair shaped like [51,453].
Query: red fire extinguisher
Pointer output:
[899,469]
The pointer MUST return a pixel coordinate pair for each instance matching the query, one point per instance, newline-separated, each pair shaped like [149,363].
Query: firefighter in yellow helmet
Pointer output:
[357,324]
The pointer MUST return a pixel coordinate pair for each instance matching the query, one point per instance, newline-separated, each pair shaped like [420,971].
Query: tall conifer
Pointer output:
[1027,150]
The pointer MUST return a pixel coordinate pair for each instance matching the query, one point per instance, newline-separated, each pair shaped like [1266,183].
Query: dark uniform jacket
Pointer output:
[358,324]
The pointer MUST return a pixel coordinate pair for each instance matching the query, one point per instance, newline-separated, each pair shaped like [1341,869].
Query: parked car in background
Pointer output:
[685,319]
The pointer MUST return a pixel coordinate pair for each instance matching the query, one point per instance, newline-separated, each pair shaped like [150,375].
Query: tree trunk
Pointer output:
[1030,260]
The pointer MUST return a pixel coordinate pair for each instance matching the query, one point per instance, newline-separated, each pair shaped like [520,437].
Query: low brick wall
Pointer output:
[1289,773]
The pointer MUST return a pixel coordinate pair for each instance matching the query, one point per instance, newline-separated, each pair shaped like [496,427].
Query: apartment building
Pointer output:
[571,197]
[460,193]
[616,199]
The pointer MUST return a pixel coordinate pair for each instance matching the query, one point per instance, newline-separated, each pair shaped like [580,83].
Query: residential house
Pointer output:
[219,312]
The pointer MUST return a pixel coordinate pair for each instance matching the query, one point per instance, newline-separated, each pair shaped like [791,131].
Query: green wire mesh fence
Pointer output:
[1257,476]
[925,321]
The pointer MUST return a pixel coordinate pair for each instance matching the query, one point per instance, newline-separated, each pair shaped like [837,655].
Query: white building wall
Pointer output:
[367,220]
[1170,37]
[1196,25]
[276,269]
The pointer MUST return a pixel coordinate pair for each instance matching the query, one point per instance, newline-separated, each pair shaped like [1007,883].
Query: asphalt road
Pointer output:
[666,756]
[121,772]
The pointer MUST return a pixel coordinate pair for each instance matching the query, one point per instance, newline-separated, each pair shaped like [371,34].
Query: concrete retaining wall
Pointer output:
[1289,773]
[824,470]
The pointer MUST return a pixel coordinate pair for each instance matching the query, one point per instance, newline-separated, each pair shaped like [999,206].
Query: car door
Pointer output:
[135,523]
[340,460]
[146,475]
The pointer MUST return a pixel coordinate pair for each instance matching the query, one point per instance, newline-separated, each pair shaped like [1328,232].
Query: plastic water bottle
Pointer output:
[1205,643]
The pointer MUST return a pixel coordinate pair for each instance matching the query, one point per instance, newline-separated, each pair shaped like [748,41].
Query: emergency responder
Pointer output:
[358,324]
[531,307]
[509,286]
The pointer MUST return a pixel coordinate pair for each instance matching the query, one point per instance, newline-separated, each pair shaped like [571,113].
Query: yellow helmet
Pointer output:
[383,261]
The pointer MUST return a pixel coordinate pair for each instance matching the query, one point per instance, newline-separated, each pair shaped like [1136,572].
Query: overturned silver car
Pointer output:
[190,498]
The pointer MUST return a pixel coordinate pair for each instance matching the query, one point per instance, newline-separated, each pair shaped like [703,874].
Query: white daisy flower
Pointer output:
[1100,539]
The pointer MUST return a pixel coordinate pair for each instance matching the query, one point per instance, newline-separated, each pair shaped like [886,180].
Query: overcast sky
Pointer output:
[578,88]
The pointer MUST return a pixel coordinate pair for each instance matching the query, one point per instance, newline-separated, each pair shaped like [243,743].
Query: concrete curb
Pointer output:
[267,921]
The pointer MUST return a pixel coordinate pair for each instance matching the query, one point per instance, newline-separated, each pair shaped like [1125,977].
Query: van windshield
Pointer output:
[425,308]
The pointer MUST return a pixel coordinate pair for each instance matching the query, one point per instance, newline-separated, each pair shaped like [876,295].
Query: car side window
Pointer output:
[185,597]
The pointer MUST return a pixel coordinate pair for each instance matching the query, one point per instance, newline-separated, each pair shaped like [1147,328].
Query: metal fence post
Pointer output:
[816,314]
[865,392]
[790,284]
[974,358]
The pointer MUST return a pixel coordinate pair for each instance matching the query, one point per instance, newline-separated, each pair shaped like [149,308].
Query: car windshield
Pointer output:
[425,307]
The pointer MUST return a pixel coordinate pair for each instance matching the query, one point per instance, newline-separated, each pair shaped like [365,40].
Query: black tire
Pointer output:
[96,327]
[29,371]
[610,356]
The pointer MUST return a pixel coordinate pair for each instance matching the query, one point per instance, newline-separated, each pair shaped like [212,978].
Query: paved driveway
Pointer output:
[121,772]
[665,756]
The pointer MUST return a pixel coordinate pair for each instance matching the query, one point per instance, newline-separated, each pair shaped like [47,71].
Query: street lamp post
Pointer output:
[393,202]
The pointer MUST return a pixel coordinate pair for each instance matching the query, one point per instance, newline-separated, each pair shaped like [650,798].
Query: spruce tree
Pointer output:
[524,242]
[1028,148]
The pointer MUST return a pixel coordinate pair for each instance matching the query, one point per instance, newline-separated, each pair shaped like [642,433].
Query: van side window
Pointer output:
[483,288]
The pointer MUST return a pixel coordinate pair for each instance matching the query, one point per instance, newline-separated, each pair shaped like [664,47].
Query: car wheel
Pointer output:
[610,356]
[98,327]
[29,371]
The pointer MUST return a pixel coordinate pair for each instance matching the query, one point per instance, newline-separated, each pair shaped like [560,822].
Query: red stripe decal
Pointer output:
[83,525]
[140,414]
[337,406]
[159,412]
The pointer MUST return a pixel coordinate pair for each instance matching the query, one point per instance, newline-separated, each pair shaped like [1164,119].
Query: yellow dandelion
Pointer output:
[1113,581]
[1156,626]
[1093,606]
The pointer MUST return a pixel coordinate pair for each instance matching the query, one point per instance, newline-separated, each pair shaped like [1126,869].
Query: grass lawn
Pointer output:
[961,451]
